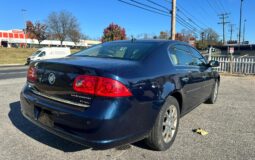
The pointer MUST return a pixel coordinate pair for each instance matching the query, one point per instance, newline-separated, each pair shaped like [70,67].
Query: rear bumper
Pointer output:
[105,124]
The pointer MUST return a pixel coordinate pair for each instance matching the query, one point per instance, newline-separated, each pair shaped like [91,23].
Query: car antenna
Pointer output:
[132,39]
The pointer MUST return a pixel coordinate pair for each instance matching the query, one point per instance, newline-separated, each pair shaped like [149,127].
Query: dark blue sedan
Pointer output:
[119,92]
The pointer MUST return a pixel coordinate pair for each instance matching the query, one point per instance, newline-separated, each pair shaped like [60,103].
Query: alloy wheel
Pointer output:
[215,94]
[169,124]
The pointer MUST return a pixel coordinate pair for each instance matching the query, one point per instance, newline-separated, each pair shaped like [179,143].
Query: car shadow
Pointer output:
[39,134]
[43,136]
[142,144]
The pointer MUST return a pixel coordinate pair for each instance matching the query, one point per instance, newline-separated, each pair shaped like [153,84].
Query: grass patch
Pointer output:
[18,55]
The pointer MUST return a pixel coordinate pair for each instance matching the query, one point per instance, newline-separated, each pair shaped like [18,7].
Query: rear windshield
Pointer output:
[128,51]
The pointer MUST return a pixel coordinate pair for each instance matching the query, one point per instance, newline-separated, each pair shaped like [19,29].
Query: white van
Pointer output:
[49,53]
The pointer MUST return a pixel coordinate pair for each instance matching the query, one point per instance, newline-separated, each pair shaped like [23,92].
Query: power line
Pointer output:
[182,23]
[159,5]
[149,10]
[189,18]
[215,10]
[187,25]
[152,9]
[221,4]
[205,13]
[148,6]
[184,11]
[218,6]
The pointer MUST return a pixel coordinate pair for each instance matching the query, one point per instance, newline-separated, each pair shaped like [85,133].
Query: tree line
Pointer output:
[64,26]
[208,36]
[58,26]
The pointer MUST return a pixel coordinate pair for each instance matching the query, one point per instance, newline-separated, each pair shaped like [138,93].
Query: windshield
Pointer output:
[36,53]
[128,51]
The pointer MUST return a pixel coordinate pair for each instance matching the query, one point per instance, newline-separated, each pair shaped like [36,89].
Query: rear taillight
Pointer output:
[100,86]
[31,74]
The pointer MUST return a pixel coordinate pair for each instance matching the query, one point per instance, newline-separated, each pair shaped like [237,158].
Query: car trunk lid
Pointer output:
[55,81]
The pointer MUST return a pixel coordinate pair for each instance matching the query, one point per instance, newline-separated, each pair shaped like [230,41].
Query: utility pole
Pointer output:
[173,20]
[244,30]
[202,37]
[231,31]
[223,18]
[240,23]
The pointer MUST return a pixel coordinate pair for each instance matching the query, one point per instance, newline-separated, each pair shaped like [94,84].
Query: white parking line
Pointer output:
[12,81]
[13,73]
[13,68]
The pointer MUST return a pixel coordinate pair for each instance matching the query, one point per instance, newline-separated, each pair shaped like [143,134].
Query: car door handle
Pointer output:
[185,79]
[204,77]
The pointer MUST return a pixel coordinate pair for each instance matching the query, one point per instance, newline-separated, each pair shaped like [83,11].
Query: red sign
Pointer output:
[231,50]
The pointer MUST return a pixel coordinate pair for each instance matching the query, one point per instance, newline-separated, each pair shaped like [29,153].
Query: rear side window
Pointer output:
[129,51]
[200,59]
[180,55]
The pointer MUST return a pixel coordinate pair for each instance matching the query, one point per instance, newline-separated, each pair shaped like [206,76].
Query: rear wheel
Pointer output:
[213,97]
[165,128]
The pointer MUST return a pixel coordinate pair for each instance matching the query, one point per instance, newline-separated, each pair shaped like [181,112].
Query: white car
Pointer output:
[49,53]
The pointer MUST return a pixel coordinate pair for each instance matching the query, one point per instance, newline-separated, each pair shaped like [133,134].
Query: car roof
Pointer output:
[159,41]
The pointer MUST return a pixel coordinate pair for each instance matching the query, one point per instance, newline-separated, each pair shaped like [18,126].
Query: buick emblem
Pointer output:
[51,78]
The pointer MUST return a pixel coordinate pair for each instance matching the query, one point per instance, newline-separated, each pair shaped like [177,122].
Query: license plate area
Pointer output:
[43,116]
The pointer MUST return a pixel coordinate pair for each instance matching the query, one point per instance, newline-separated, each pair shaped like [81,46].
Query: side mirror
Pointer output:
[213,63]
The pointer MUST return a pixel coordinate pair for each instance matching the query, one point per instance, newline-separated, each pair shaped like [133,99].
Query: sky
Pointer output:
[95,15]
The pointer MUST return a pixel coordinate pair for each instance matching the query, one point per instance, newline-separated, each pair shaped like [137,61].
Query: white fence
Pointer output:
[244,65]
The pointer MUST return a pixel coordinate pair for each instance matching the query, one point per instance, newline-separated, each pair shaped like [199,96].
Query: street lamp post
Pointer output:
[244,30]
[25,25]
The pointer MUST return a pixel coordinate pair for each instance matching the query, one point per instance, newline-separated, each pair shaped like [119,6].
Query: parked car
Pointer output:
[119,92]
[49,53]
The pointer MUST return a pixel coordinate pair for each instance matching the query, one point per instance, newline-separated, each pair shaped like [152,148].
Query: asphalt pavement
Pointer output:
[10,72]
[230,123]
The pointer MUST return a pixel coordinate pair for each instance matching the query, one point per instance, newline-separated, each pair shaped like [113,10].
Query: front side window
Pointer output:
[200,61]
[180,55]
[36,53]
[127,51]
[41,54]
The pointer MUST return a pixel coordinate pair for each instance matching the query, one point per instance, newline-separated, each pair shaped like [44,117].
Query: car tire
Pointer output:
[214,94]
[159,138]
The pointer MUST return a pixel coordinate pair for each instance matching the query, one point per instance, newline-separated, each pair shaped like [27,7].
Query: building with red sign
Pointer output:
[17,38]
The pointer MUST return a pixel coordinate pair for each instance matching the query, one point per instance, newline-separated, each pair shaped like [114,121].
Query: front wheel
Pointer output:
[213,97]
[165,128]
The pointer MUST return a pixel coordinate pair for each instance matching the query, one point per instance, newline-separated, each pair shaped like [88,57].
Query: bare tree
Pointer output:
[61,24]
[164,35]
[84,36]
[74,36]
[211,36]
[187,35]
